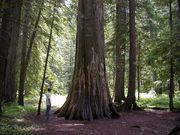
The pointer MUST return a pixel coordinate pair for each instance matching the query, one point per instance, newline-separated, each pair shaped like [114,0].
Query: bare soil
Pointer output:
[150,122]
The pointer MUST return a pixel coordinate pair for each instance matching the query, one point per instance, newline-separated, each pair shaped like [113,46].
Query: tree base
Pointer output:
[130,106]
[87,115]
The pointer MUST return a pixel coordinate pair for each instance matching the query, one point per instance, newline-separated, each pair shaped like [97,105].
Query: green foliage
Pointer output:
[109,18]
[9,127]
[61,59]
[153,37]
[161,101]
[154,40]
[12,121]
[14,110]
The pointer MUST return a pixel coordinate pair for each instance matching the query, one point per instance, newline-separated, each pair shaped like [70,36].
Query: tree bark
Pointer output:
[10,87]
[89,97]
[130,102]
[4,46]
[23,52]
[8,46]
[120,50]
[27,54]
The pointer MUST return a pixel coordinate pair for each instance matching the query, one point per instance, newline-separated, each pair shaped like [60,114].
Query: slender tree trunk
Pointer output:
[154,76]
[2,76]
[130,102]
[139,70]
[178,1]
[28,56]
[171,88]
[25,59]
[23,52]
[120,50]
[89,96]
[46,62]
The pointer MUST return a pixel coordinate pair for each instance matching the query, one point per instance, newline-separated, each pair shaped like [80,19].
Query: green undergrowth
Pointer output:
[161,101]
[12,121]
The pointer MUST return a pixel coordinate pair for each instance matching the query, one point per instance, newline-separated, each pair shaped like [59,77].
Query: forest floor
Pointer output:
[149,122]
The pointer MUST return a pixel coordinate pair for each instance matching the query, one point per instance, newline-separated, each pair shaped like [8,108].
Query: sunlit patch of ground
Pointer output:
[56,100]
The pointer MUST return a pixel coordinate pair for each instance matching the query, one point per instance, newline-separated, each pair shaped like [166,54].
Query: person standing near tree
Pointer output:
[48,103]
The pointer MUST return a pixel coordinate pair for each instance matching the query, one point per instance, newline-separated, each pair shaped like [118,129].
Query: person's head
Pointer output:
[49,89]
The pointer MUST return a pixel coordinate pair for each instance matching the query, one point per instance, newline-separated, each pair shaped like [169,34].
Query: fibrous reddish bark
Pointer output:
[89,97]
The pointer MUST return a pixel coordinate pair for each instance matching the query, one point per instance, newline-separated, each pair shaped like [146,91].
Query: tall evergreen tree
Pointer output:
[89,96]
[171,85]
[120,50]
[130,102]
[10,75]
[8,48]
[4,45]
[32,38]
[47,57]
[23,52]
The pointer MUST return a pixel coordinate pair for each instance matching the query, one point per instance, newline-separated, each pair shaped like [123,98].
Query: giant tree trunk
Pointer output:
[89,96]
[23,52]
[130,102]
[120,50]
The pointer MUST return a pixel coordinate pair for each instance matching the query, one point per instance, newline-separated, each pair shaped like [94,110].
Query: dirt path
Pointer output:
[157,122]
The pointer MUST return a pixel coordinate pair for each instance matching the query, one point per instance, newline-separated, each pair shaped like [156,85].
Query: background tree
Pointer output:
[23,52]
[9,43]
[46,61]
[89,97]
[4,44]
[120,50]
[130,102]
[171,84]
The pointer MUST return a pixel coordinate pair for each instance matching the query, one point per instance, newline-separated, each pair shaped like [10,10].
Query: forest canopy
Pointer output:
[136,41]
